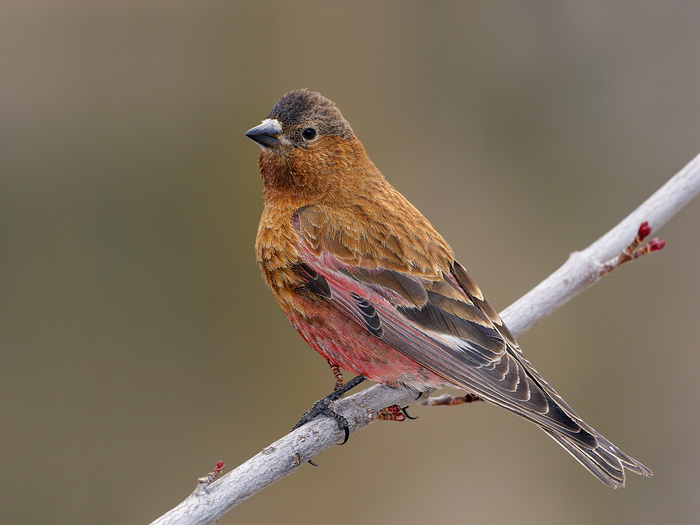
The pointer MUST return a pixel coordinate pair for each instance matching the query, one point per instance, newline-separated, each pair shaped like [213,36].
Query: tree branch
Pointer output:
[211,501]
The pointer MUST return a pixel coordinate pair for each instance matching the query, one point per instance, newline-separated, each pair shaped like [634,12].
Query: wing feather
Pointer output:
[444,324]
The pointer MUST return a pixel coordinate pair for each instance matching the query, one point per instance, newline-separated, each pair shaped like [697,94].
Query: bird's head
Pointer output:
[306,146]
[300,119]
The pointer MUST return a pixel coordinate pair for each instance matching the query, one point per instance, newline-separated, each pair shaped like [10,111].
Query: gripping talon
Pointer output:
[343,425]
[322,407]
[405,413]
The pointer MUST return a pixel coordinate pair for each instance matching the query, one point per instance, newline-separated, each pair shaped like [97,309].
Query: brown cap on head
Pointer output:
[301,107]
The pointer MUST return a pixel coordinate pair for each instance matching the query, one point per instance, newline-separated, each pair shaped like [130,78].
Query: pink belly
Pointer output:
[350,346]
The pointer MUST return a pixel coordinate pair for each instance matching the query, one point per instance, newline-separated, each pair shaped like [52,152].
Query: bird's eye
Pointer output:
[309,134]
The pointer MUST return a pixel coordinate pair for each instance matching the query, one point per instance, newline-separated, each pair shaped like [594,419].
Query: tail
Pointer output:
[605,461]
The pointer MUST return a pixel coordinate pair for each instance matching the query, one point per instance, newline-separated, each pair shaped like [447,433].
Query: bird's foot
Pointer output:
[448,400]
[322,407]
[394,413]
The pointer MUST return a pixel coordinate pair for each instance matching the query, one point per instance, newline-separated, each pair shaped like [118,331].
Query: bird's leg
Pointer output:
[397,413]
[322,407]
[448,400]
[338,376]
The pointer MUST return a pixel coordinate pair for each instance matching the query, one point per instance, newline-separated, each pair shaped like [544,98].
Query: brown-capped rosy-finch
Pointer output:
[375,289]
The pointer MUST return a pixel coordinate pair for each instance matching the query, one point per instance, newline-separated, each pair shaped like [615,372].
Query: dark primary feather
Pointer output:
[313,281]
[370,317]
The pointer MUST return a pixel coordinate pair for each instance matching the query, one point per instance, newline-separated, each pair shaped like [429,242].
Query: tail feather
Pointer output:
[605,461]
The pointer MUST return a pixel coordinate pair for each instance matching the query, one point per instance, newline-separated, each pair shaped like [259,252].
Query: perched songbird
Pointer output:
[375,289]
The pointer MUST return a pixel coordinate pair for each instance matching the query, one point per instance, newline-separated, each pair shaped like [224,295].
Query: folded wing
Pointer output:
[446,325]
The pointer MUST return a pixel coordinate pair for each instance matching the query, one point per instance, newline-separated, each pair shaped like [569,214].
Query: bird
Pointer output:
[372,286]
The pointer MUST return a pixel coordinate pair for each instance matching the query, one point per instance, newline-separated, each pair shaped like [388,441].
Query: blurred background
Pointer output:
[140,345]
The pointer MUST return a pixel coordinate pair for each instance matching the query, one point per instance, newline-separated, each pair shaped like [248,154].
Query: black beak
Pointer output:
[267,133]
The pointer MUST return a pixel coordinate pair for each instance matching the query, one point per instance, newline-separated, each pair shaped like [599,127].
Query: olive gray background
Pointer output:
[140,345]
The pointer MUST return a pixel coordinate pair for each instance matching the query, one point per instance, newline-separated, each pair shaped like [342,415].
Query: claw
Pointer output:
[405,413]
[322,407]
